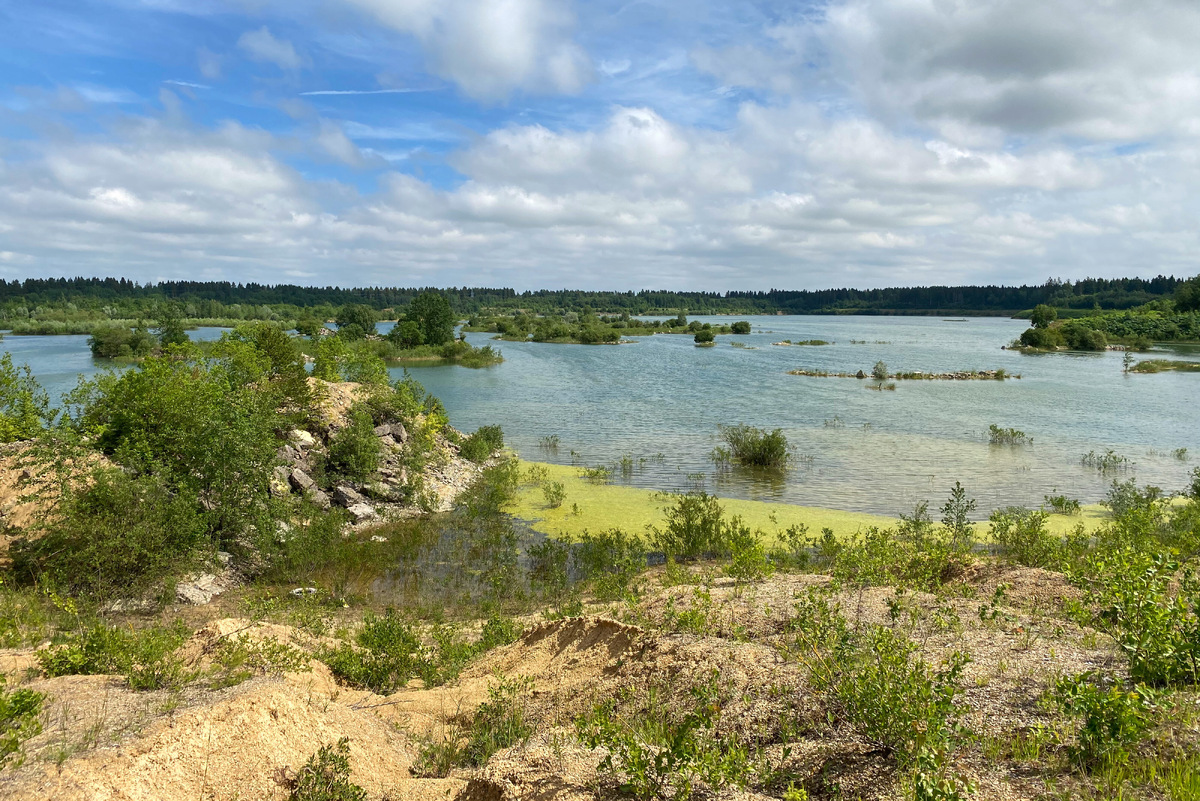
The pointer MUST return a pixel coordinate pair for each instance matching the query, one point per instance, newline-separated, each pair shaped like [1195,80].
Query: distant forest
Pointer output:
[68,299]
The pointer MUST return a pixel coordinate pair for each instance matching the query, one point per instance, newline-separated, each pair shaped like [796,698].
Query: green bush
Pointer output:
[389,653]
[20,719]
[326,776]
[1114,719]
[653,755]
[889,695]
[748,556]
[555,493]
[355,321]
[880,371]
[703,337]
[480,446]
[24,405]
[1062,505]
[611,560]
[756,447]
[431,311]
[694,527]
[114,536]
[354,450]
[741,327]
[145,658]
[1023,538]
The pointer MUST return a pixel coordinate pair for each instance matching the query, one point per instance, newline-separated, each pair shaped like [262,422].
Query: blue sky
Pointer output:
[612,145]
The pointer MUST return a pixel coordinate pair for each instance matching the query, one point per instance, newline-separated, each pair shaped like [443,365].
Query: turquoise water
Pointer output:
[884,452]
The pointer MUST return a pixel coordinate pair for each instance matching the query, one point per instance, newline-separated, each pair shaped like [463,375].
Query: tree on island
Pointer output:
[741,327]
[1043,315]
[432,313]
[170,330]
[355,321]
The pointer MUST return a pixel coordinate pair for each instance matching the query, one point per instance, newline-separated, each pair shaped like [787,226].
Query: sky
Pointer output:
[667,144]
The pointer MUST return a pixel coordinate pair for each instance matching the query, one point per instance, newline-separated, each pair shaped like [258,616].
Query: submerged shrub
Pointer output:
[756,447]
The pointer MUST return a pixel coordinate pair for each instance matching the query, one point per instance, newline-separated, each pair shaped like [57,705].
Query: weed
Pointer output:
[20,719]
[1062,505]
[1011,437]
[146,658]
[1114,719]
[325,776]
[555,493]
[480,446]
[1107,462]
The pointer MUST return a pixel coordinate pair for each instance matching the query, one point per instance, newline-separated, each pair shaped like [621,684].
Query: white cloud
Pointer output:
[260,45]
[492,47]
[209,63]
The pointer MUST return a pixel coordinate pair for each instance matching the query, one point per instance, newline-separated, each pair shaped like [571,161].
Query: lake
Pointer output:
[660,400]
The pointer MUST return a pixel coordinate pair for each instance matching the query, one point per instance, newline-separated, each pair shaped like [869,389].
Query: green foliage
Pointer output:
[956,515]
[480,446]
[611,560]
[263,355]
[694,527]
[115,535]
[389,653]
[326,776]
[355,321]
[406,334]
[24,405]
[337,359]
[749,561]
[914,554]
[880,371]
[1062,505]
[1023,538]
[431,311]
[354,450]
[555,493]
[656,756]
[704,336]
[146,658]
[1043,315]
[889,695]
[119,341]
[500,722]
[1157,626]
[756,447]
[195,424]
[1008,436]
[740,327]
[20,719]
[1187,295]
[1114,719]
[170,329]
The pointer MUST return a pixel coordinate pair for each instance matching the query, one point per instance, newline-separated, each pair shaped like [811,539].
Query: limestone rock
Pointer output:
[301,480]
[279,482]
[362,512]
[301,438]
[347,496]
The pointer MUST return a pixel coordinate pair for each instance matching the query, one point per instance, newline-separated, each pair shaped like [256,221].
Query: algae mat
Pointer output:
[595,506]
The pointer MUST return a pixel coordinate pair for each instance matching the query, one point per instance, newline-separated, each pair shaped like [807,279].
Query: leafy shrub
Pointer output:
[326,776]
[480,446]
[956,515]
[24,405]
[880,371]
[889,695]
[431,311]
[741,327]
[554,493]
[704,337]
[1062,505]
[756,447]
[358,318]
[748,556]
[1007,436]
[500,722]
[354,450]
[335,359]
[611,560]
[145,658]
[653,756]
[389,653]
[1114,720]
[1023,537]
[20,719]
[694,526]
[1158,629]
[914,554]
[114,536]
[117,341]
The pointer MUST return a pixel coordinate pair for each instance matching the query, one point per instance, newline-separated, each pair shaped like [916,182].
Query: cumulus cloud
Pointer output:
[260,45]
[491,47]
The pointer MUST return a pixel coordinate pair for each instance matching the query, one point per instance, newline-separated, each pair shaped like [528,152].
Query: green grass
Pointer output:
[1164,365]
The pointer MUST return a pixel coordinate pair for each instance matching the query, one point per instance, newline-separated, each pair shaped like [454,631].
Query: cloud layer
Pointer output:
[861,142]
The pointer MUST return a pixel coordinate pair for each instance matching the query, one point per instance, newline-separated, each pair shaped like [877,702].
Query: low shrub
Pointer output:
[387,656]
[555,493]
[756,447]
[145,658]
[1008,436]
[1022,537]
[20,719]
[611,560]
[354,451]
[694,527]
[1114,719]
[1062,505]
[480,446]
[326,776]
